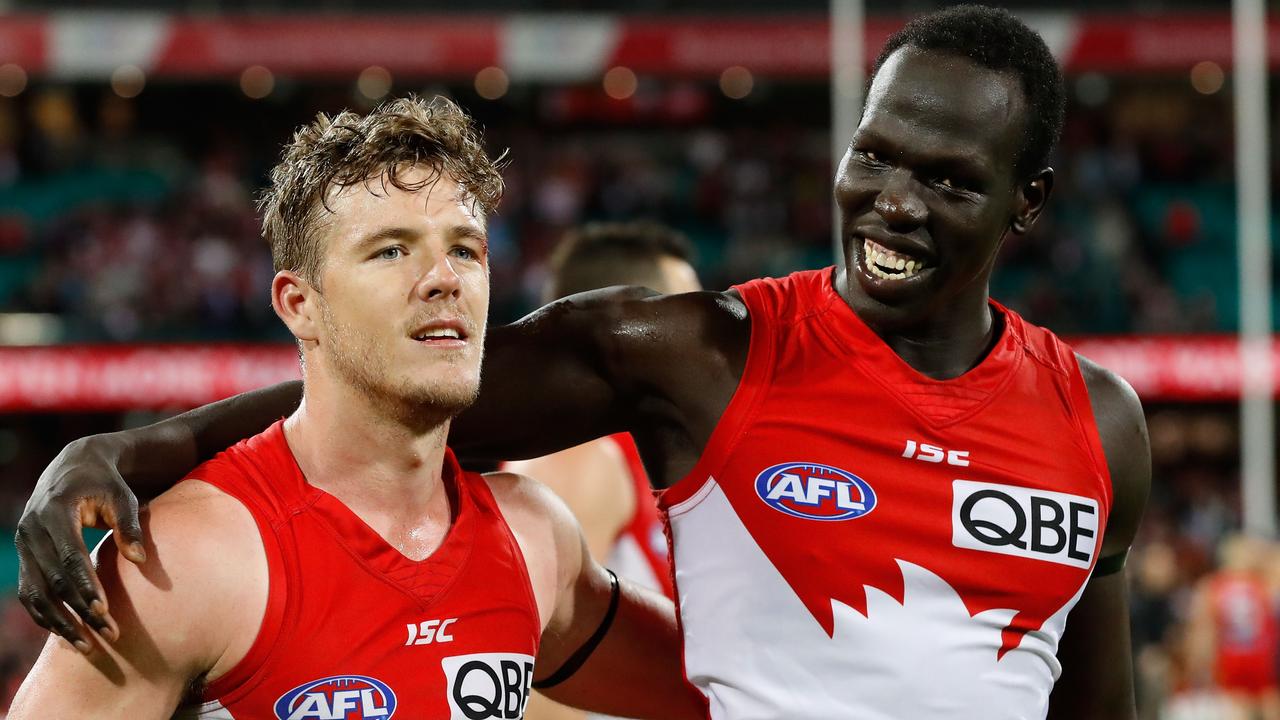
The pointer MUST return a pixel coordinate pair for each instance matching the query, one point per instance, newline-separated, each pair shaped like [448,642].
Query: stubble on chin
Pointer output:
[411,401]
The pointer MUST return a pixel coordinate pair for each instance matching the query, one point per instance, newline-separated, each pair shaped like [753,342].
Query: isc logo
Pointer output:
[815,492]
[341,697]
[430,631]
[1010,520]
[488,686]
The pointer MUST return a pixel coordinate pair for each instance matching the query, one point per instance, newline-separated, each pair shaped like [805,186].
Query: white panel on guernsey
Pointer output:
[925,659]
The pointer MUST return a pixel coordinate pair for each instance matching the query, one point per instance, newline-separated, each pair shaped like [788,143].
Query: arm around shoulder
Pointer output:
[183,614]
[579,367]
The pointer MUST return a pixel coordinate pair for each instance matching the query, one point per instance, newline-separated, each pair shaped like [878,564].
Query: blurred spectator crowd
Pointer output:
[134,220]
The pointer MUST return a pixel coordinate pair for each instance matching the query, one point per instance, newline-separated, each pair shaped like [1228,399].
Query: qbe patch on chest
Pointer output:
[1038,524]
[488,686]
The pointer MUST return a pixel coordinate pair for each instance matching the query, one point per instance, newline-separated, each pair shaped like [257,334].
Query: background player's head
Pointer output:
[599,255]
[377,231]
[962,111]
[1240,552]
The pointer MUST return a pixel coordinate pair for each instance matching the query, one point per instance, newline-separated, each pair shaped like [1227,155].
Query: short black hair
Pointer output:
[995,39]
[599,255]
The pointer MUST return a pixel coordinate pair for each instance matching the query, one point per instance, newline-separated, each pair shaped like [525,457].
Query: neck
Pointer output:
[942,342]
[367,452]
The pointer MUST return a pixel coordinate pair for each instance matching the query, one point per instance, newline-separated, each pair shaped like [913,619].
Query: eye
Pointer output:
[465,253]
[869,157]
[390,253]
[954,185]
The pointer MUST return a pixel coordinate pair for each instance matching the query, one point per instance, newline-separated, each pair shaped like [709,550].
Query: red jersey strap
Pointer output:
[514,564]
[1050,352]
[231,473]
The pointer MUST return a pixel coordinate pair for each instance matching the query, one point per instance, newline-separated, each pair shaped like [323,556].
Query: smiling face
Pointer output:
[403,294]
[928,190]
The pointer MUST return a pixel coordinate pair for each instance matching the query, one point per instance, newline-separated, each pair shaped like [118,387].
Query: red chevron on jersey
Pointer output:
[853,518]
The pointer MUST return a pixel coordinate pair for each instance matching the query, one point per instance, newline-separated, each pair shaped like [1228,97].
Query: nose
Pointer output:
[899,202]
[440,281]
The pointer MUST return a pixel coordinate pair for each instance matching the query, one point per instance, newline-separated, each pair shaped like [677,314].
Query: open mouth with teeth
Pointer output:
[438,334]
[887,264]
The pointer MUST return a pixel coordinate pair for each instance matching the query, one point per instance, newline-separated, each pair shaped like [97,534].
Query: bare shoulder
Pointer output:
[548,535]
[528,505]
[1122,428]
[187,613]
[635,318]
[203,587]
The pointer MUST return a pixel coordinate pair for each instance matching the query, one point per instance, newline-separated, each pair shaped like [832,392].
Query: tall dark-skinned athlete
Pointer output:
[885,490]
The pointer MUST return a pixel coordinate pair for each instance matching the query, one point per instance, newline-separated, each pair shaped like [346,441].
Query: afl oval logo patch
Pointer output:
[815,492]
[340,696]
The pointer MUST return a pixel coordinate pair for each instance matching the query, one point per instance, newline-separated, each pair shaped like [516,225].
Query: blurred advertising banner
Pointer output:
[129,377]
[133,377]
[1193,367]
[547,47]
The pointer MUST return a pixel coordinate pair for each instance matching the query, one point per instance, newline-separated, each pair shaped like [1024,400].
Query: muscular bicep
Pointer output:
[545,384]
[597,363]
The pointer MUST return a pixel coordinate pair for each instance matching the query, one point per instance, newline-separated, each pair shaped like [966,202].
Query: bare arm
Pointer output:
[613,360]
[635,670]
[89,485]
[1097,660]
[174,611]
[594,482]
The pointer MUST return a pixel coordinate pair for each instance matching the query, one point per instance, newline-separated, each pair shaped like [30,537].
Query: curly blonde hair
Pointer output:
[333,153]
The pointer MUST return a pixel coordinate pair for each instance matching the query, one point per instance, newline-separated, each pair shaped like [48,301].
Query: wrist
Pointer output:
[113,449]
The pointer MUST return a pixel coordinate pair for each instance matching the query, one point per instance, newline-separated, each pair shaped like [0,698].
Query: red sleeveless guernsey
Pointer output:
[1245,633]
[355,630]
[640,551]
[861,541]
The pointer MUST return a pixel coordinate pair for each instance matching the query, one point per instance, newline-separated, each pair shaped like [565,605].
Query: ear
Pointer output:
[1032,197]
[296,303]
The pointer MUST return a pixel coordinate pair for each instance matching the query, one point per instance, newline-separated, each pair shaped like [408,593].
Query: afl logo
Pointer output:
[350,697]
[815,492]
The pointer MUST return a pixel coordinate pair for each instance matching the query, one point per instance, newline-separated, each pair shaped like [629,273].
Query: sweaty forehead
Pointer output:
[940,102]
[428,197]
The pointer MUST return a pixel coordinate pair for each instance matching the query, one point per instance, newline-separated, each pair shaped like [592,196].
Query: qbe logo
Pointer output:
[815,492]
[340,697]
[1011,520]
[488,685]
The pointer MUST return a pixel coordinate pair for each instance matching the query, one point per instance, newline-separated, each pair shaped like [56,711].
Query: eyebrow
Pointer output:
[964,162]
[404,233]
[469,231]
[385,233]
